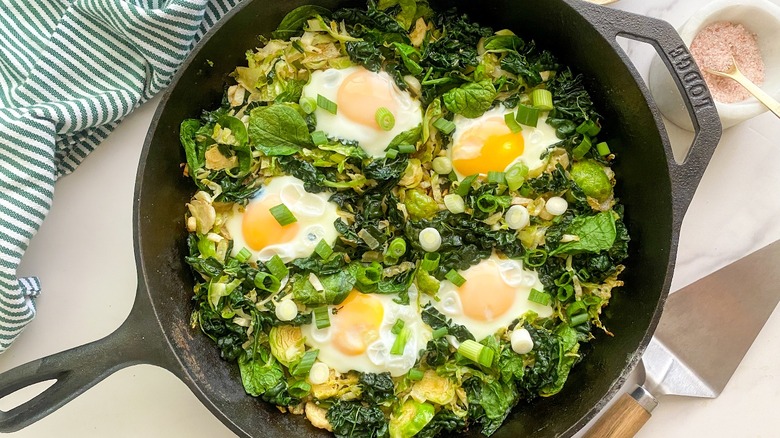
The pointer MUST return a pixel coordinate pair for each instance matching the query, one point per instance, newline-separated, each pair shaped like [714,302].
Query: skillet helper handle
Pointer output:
[138,340]
[625,417]
[690,83]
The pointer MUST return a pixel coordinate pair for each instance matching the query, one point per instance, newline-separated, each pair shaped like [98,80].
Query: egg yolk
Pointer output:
[491,146]
[485,296]
[362,93]
[260,228]
[356,323]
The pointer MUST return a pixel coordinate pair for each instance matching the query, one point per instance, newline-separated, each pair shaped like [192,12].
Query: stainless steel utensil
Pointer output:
[705,331]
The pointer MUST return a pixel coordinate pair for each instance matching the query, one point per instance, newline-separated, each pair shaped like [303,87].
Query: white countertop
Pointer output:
[83,255]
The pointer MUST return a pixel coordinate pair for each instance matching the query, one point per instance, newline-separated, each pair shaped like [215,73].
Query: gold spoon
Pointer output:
[734,73]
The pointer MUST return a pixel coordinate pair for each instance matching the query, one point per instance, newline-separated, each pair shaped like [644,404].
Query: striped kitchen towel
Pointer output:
[70,70]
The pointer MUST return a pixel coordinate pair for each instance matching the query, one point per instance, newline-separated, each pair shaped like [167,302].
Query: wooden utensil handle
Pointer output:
[624,418]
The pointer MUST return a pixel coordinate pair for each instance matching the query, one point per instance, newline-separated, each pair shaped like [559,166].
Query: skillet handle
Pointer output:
[690,83]
[625,417]
[138,340]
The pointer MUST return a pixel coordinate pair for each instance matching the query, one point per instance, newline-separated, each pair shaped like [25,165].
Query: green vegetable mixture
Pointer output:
[559,219]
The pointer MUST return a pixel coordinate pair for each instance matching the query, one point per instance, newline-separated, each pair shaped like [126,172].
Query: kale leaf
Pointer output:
[444,423]
[436,320]
[353,420]
[377,388]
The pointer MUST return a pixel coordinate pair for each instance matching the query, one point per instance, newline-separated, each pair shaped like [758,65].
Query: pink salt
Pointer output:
[713,47]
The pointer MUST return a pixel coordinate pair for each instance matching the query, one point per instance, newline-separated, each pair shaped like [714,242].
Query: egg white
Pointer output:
[314,213]
[513,275]
[371,139]
[536,139]
[377,357]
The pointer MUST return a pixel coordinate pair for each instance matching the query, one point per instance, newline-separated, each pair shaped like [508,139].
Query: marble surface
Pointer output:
[84,257]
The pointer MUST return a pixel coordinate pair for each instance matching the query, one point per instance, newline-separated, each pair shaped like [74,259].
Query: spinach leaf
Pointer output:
[490,401]
[596,233]
[196,153]
[502,43]
[470,100]
[336,287]
[567,347]
[278,130]
[411,136]
[241,148]
[261,373]
[407,13]
[292,23]
[376,388]
[353,420]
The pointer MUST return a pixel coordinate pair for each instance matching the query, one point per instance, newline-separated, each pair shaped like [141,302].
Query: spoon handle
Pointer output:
[760,94]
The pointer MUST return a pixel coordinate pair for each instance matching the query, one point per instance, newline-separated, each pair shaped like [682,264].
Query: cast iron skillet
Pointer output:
[655,190]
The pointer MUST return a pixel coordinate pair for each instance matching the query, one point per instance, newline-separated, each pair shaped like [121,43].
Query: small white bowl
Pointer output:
[760,17]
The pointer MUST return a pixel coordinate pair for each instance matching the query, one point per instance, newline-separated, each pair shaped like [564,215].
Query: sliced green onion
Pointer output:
[494,177]
[591,300]
[603,148]
[581,149]
[430,262]
[282,214]
[415,374]
[476,352]
[326,104]
[299,389]
[515,176]
[455,278]
[465,185]
[454,203]
[243,255]
[308,104]
[406,149]
[400,342]
[583,274]
[321,317]
[319,138]
[564,292]
[267,282]
[440,332]
[397,327]
[511,123]
[539,297]
[535,257]
[277,268]
[542,99]
[397,247]
[527,115]
[370,274]
[442,165]
[564,279]
[588,127]
[384,118]
[368,238]
[323,249]
[576,308]
[389,260]
[487,203]
[444,125]
[391,153]
[579,319]
[304,364]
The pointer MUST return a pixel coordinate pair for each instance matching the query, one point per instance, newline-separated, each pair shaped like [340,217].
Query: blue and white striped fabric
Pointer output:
[70,70]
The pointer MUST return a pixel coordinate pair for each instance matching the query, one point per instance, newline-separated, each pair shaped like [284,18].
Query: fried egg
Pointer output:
[254,227]
[360,334]
[487,144]
[358,94]
[495,293]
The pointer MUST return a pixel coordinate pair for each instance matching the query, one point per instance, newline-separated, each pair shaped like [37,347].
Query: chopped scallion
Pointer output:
[267,282]
[397,247]
[308,104]
[397,327]
[579,319]
[581,149]
[588,127]
[542,99]
[576,308]
[321,317]
[465,185]
[511,123]
[277,268]
[391,153]
[455,278]
[603,148]
[319,138]
[370,274]
[527,115]
[535,257]
[539,297]
[591,300]
[326,104]
[487,203]
[430,261]
[440,332]
[384,118]
[323,249]
[400,342]
[406,149]
[299,389]
[564,292]
[282,214]
[494,177]
[415,374]
[515,176]
[304,364]
[476,352]
[444,125]
[243,255]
